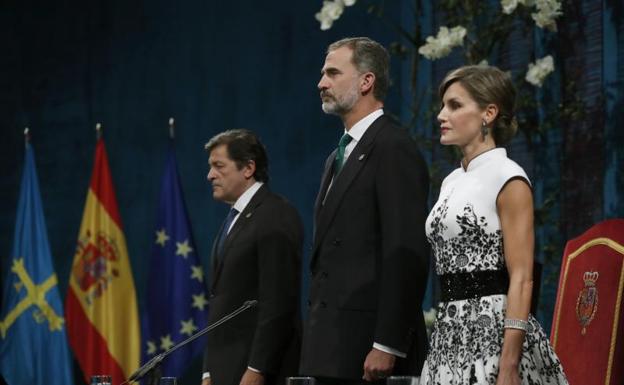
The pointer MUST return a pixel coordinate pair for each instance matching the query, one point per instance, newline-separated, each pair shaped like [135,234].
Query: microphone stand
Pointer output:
[154,363]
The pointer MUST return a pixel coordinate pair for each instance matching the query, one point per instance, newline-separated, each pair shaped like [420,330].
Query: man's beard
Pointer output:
[342,105]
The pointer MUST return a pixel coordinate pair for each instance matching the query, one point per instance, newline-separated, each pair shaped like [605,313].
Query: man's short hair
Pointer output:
[368,56]
[242,147]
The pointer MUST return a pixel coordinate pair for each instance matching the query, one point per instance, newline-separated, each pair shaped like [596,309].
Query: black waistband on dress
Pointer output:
[475,284]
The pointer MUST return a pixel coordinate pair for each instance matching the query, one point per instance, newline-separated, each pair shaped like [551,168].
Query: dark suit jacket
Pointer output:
[370,258]
[261,260]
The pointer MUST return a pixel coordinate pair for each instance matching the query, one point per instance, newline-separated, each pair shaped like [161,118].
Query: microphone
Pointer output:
[151,364]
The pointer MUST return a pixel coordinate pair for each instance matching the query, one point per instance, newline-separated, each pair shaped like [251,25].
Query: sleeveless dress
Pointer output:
[465,233]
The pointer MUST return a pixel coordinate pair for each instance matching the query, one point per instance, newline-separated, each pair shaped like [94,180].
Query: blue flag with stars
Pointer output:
[176,305]
[33,342]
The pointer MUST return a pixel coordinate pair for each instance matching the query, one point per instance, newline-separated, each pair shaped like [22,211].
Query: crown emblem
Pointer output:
[587,301]
[590,278]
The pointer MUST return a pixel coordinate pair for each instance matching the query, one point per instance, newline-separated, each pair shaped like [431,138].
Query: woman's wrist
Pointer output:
[508,362]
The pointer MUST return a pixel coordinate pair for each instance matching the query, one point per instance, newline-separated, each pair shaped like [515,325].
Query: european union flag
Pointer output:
[176,306]
[33,343]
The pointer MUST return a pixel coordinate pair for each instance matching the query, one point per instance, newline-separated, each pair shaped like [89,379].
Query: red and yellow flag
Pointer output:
[101,309]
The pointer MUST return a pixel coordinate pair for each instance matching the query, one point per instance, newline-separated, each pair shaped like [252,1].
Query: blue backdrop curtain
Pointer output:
[216,65]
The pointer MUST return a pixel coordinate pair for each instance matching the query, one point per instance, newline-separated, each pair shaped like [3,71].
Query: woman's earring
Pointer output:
[484,130]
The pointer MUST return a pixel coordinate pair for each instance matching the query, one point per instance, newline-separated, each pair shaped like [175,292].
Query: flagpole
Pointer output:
[171,128]
[26,136]
[98,131]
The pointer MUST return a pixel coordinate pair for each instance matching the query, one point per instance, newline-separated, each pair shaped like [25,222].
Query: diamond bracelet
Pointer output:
[516,324]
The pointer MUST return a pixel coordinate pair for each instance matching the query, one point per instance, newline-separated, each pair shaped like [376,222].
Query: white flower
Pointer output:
[539,70]
[547,12]
[509,6]
[330,12]
[326,21]
[433,51]
[441,45]
[348,3]
[333,9]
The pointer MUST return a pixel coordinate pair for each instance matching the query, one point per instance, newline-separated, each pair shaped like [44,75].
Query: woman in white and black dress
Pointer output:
[481,231]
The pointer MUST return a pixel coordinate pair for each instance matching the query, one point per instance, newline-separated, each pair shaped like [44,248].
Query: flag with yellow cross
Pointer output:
[33,341]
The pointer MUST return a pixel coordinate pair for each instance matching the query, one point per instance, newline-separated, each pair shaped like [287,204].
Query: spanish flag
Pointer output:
[101,309]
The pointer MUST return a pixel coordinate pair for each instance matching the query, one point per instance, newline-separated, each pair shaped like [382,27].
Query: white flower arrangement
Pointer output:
[331,11]
[441,45]
[547,11]
[539,70]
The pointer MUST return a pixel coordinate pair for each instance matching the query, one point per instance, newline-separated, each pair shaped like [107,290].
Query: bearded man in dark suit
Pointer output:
[369,260]
[256,256]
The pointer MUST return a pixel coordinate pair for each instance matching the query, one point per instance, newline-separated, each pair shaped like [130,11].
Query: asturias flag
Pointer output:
[33,345]
[176,305]
[102,315]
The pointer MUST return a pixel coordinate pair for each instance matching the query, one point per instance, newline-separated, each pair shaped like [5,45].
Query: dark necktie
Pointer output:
[342,144]
[224,230]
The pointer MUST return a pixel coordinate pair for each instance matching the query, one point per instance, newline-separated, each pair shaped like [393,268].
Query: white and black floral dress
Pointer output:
[464,230]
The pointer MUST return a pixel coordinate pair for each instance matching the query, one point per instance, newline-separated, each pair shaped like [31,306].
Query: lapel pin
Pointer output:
[362,157]
[248,215]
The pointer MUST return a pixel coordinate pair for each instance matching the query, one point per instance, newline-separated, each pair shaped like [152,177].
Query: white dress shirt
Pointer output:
[243,200]
[356,132]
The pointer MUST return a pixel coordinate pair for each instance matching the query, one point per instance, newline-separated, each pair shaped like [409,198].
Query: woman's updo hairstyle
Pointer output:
[488,85]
